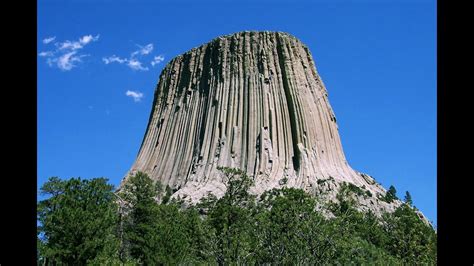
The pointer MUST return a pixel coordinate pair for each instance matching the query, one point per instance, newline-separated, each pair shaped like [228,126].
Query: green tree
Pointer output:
[162,234]
[167,196]
[77,221]
[180,236]
[288,229]
[285,226]
[409,238]
[140,193]
[408,199]
[199,236]
[356,237]
[391,194]
[231,218]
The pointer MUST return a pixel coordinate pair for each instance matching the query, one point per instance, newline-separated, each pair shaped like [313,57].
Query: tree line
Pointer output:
[84,222]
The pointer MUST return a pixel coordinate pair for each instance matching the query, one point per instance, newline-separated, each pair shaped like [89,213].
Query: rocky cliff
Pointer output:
[254,101]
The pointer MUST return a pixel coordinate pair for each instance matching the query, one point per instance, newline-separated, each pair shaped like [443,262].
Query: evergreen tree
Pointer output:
[285,226]
[77,222]
[288,229]
[391,194]
[231,217]
[167,196]
[408,199]
[409,238]
[140,193]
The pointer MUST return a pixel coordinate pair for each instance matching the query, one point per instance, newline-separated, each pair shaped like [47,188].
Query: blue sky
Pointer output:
[377,59]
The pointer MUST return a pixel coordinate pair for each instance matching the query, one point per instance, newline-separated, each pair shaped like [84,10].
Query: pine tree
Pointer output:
[410,239]
[231,216]
[408,199]
[284,226]
[391,194]
[78,221]
[140,193]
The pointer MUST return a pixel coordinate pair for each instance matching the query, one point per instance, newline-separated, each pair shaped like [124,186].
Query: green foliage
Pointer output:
[160,234]
[168,194]
[391,195]
[287,228]
[408,199]
[355,189]
[230,219]
[175,233]
[78,221]
[282,227]
[409,238]
[237,185]
[368,193]
[139,224]
[346,200]
[206,204]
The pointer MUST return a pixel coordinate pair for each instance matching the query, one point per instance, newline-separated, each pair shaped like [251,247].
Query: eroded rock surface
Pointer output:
[250,100]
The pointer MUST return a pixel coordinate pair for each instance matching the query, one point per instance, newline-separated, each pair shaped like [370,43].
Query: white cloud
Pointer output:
[147,49]
[50,61]
[46,54]
[136,95]
[136,65]
[68,45]
[133,61]
[67,53]
[66,61]
[157,59]
[88,38]
[114,58]
[76,45]
[49,39]
[144,50]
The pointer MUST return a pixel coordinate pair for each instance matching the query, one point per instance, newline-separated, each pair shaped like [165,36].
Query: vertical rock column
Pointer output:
[251,100]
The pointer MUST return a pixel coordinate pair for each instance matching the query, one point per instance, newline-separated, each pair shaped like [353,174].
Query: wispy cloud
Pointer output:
[49,39]
[157,59]
[66,55]
[66,61]
[136,95]
[114,59]
[46,54]
[76,45]
[68,45]
[144,50]
[133,61]
[88,38]
[136,65]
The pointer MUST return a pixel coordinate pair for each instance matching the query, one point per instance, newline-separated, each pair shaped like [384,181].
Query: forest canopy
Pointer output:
[84,221]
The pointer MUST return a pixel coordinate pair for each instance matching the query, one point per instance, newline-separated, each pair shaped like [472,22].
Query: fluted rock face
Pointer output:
[250,100]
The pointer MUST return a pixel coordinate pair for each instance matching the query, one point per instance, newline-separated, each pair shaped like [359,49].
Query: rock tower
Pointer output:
[250,100]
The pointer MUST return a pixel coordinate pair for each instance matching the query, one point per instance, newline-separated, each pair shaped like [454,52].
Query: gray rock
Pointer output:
[250,100]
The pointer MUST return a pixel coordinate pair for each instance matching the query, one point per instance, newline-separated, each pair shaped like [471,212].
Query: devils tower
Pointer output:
[249,100]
